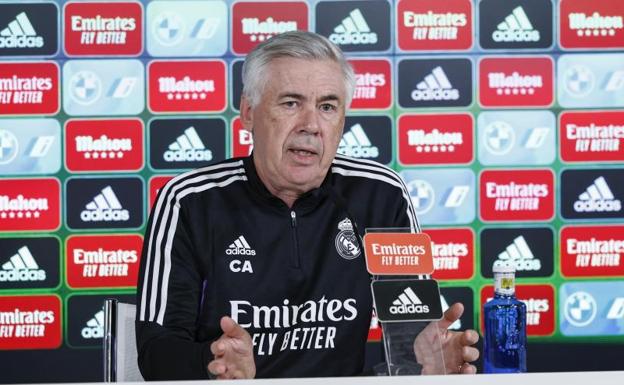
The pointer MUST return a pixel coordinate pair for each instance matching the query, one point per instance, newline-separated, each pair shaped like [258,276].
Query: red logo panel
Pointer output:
[29,88]
[103,260]
[30,204]
[255,22]
[373,84]
[453,253]
[592,136]
[187,86]
[516,82]
[30,322]
[590,251]
[104,145]
[98,28]
[155,184]
[591,24]
[427,25]
[540,303]
[517,195]
[242,140]
[436,139]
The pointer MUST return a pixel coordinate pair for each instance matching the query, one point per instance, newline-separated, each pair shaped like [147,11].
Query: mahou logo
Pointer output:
[518,195]
[592,251]
[98,28]
[242,140]
[103,261]
[373,84]
[255,22]
[155,184]
[435,139]
[591,24]
[431,25]
[187,86]
[104,145]
[30,204]
[592,136]
[453,253]
[30,322]
[516,82]
[540,303]
[29,88]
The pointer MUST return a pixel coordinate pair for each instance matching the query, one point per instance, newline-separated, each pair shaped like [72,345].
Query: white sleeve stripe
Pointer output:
[168,246]
[169,206]
[170,190]
[374,166]
[393,182]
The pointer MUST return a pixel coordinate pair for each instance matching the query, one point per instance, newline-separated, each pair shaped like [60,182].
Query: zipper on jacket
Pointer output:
[294,259]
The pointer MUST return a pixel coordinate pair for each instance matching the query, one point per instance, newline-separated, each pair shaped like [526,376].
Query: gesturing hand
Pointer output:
[233,353]
[456,346]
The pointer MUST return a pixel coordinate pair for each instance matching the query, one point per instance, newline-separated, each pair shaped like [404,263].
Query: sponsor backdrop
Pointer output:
[505,117]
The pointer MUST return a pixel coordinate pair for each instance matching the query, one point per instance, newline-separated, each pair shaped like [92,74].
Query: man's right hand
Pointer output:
[233,353]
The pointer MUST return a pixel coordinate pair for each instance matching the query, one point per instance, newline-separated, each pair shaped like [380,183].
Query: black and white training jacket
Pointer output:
[218,243]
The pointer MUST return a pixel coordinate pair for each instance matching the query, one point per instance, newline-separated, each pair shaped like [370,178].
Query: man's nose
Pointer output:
[310,120]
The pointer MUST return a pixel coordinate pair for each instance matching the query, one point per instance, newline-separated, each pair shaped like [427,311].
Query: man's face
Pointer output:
[297,123]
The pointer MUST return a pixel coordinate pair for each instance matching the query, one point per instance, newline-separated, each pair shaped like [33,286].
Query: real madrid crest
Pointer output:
[346,240]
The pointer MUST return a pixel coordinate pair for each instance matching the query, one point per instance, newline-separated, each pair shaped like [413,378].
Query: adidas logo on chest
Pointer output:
[240,248]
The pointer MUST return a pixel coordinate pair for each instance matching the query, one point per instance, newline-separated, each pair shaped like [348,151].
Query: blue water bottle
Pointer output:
[505,325]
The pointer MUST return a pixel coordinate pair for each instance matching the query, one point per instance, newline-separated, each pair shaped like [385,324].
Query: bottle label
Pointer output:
[504,283]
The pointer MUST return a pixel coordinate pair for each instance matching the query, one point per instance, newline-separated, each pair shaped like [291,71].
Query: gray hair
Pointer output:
[294,44]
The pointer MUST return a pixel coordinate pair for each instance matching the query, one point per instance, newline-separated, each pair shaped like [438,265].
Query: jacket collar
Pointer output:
[304,203]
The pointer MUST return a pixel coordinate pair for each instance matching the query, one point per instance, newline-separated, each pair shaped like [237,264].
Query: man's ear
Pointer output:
[246,114]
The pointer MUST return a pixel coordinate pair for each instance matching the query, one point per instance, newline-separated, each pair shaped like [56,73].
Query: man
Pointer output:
[252,267]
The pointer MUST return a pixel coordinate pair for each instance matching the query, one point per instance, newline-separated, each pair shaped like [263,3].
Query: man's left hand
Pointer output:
[456,346]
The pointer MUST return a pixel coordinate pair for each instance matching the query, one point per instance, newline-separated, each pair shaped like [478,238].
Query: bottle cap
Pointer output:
[503,267]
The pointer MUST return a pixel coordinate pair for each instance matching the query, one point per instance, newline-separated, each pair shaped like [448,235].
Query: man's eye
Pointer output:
[290,103]
[328,107]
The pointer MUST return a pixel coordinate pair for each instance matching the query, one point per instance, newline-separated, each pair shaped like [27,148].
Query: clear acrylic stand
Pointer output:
[410,347]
